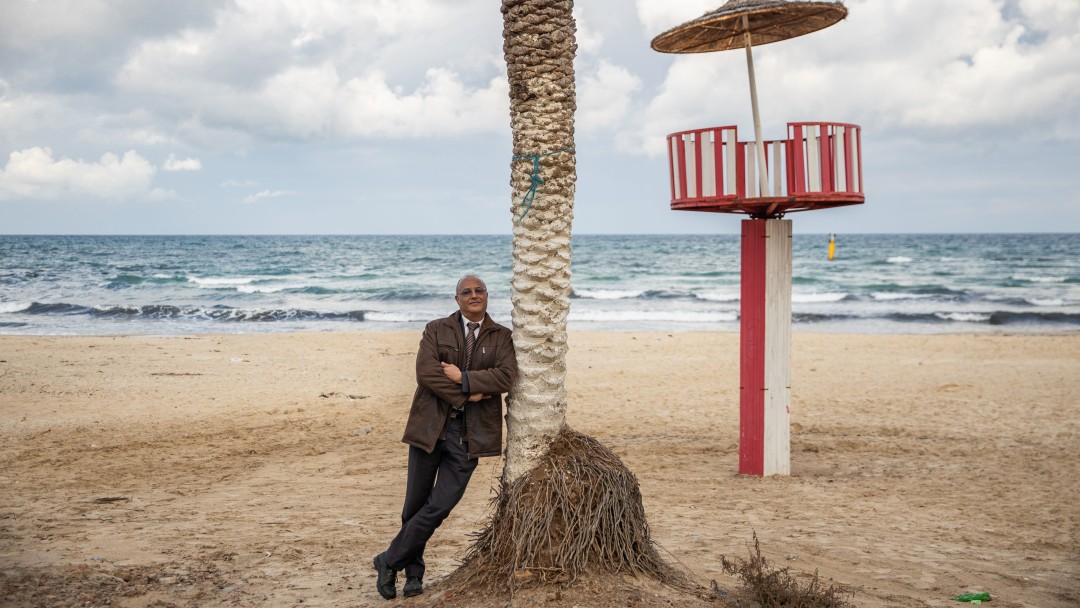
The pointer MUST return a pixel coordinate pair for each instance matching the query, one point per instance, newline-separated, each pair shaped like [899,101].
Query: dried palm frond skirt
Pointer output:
[579,511]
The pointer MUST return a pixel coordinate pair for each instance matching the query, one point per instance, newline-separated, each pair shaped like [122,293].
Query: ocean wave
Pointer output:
[216,313]
[397,317]
[18,275]
[1001,317]
[674,316]
[964,317]
[124,281]
[164,279]
[1038,278]
[1026,318]
[607,294]
[915,318]
[631,294]
[1046,302]
[1009,300]
[818,298]
[150,311]
[317,290]
[59,308]
[286,314]
[260,288]
[264,285]
[389,295]
[718,296]
[269,288]
[664,294]
[220,282]
[813,317]
[914,290]
[710,274]
[899,259]
[8,307]
[889,296]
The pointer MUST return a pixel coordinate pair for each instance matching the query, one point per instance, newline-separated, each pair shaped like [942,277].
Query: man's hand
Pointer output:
[452,372]
[478,396]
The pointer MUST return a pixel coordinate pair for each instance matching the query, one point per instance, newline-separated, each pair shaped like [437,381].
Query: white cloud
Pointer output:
[329,85]
[442,106]
[239,183]
[148,137]
[966,69]
[605,96]
[265,194]
[35,174]
[188,164]
[658,16]
[315,102]
[589,40]
[324,69]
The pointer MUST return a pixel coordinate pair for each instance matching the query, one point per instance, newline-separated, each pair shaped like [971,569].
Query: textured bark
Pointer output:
[539,47]
[567,506]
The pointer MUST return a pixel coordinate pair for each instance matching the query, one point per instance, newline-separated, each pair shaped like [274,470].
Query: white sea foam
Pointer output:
[607,294]
[267,288]
[899,259]
[676,316]
[219,282]
[718,296]
[7,307]
[1046,301]
[817,298]
[886,296]
[404,316]
[966,317]
[1038,279]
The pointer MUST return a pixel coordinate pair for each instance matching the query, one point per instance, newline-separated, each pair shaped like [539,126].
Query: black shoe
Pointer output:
[413,586]
[386,580]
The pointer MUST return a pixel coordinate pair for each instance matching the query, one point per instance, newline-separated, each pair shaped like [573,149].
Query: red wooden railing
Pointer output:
[711,170]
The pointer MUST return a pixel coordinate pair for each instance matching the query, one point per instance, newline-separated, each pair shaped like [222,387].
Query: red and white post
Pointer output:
[765,368]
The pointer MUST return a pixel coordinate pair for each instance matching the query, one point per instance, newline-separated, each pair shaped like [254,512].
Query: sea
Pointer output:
[877,283]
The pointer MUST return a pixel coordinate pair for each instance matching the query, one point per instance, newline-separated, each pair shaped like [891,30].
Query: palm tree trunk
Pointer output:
[567,505]
[539,46]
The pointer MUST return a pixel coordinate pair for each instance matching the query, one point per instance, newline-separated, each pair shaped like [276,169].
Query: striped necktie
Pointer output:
[470,342]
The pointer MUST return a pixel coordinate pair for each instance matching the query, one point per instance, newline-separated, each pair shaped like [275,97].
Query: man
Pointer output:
[464,362]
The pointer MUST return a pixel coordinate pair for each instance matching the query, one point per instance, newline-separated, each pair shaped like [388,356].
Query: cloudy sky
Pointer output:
[391,116]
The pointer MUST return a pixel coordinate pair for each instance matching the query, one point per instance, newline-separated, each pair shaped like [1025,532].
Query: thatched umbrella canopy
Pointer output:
[766,21]
[747,23]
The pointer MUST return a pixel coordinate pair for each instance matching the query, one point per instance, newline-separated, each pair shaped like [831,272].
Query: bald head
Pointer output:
[462,280]
[472,298]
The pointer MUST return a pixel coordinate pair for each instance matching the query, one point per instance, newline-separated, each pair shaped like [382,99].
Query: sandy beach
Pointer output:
[266,470]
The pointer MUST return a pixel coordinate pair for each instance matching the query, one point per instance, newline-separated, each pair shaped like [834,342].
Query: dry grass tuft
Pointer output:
[777,588]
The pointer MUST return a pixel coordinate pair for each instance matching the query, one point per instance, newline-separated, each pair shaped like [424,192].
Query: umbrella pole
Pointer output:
[763,178]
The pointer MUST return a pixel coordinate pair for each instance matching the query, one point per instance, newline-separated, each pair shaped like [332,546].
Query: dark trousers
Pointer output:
[435,484]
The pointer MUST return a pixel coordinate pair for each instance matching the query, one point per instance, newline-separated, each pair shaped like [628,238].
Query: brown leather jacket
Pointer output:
[492,371]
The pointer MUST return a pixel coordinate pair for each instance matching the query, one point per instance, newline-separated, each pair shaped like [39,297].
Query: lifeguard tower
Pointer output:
[817,165]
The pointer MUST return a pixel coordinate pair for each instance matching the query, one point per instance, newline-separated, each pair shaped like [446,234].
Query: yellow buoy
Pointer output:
[832,246]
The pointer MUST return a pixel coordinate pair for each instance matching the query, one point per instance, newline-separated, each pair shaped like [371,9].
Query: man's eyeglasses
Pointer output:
[468,292]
